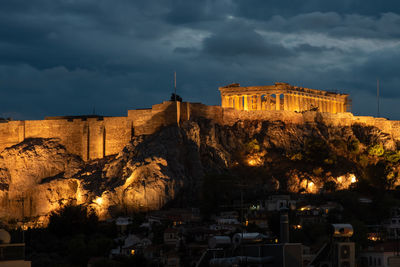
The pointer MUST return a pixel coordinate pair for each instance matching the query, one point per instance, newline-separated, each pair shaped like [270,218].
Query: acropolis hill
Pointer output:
[93,137]
[285,138]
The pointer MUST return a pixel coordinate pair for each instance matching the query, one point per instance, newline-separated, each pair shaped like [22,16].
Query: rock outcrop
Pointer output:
[38,176]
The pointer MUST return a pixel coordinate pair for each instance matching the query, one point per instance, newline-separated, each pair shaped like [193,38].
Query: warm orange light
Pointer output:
[132,252]
[98,201]
[353,179]
[373,237]
[252,162]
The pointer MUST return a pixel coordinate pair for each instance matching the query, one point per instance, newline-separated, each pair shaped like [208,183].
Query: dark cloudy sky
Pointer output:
[63,57]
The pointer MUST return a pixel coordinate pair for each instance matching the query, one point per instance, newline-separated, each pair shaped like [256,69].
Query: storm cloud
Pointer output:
[70,57]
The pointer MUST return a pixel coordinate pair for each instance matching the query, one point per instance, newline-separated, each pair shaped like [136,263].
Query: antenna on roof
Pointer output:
[175,86]
[377,95]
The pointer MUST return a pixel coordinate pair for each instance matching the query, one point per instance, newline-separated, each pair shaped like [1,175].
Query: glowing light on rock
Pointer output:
[252,162]
[344,181]
[98,201]
[311,187]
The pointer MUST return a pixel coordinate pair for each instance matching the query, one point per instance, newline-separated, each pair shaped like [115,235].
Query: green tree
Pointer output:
[392,156]
[252,146]
[317,151]
[376,150]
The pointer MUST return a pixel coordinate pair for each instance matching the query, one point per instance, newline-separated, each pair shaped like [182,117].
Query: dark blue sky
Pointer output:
[63,57]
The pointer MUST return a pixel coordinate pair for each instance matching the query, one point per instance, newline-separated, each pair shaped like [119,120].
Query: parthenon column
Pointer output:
[301,102]
[267,102]
[245,103]
[249,102]
[237,106]
[321,105]
[330,106]
[277,102]
[285,102]
[325,105]
[340,107]
[259,107]
[223,101]
[291,102]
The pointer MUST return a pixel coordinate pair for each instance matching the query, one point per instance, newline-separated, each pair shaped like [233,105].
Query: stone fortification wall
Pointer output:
[93,138]
[214,113]
[148,121]
[11,133]
[230,116]
[89,138]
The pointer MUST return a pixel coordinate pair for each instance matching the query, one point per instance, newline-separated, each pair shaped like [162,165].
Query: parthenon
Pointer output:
[282,96]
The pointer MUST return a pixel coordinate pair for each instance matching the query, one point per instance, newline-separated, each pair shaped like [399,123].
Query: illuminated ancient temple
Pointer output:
[283,96]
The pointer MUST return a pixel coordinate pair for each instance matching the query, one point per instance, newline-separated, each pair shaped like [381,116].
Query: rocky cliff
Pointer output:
[38,176]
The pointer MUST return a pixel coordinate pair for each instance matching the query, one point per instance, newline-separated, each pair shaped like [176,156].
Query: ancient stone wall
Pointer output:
[90,138]
[11,133]
[93,138]
[148,121]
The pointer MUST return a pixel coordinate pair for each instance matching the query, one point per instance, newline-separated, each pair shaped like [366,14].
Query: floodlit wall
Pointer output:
[93,138]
